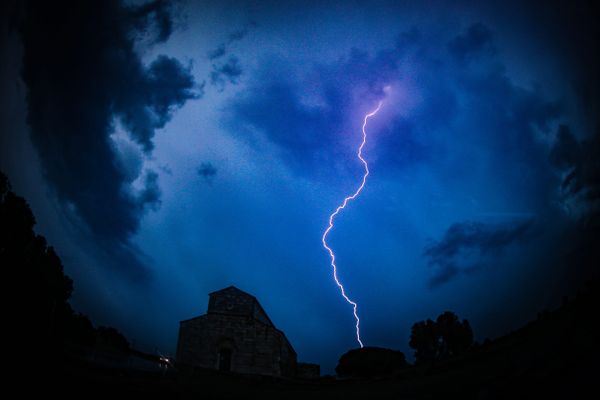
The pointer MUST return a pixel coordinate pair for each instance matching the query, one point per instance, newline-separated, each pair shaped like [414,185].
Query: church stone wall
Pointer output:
[235,324]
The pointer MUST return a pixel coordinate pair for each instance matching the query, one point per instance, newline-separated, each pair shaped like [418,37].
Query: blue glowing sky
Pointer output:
[202,145]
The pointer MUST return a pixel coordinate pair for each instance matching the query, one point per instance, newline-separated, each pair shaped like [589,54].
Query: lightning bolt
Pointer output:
[340,208]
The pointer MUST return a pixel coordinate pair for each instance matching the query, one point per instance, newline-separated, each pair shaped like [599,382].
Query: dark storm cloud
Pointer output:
[216,53]
[476,41]
[82,75]
[440,112]
[301,132]
[151,193]
[468,246]
[572,33]
[147,103]
[241,33]
[233,37]
[273,105]
[207,171]
[575,33]
[580,162]
[229,71]
[154,14]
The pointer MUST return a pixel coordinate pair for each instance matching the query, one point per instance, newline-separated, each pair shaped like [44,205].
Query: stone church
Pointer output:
[237,335]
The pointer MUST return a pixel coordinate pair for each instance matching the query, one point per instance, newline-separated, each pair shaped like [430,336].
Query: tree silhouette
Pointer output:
[34,269]
[455,336]
[424,340]
[445,338]
[43,317]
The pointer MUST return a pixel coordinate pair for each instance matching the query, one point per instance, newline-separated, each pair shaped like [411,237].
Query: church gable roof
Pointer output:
[231,289]
[233,301]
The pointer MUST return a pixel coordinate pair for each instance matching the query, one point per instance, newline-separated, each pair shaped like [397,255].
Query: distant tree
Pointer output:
[34,269]
[445,338]
[108,338]
[424,339]
[455,336]
[369,362]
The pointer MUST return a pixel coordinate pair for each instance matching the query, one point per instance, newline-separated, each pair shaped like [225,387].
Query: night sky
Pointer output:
[169,150]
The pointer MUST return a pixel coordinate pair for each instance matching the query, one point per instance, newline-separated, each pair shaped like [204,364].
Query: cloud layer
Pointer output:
[311,114]
[469,246]
[84,77]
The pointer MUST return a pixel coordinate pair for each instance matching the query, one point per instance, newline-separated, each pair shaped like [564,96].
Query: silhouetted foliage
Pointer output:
[44,317]
[81,331]
[424,340]
[108,338]
[370,361]
[446,337]
[35,269]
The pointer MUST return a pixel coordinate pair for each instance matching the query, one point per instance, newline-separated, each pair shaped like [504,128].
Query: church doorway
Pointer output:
[225,359]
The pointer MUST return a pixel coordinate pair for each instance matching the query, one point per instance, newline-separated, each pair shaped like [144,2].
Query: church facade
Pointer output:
[237,335]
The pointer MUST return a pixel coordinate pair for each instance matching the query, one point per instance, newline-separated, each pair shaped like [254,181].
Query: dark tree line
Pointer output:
[441,339]
[42,318]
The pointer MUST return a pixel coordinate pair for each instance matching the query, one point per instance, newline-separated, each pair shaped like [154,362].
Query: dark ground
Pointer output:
[555,356]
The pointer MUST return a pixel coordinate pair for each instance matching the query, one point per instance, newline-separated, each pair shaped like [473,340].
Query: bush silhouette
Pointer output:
[369,362]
